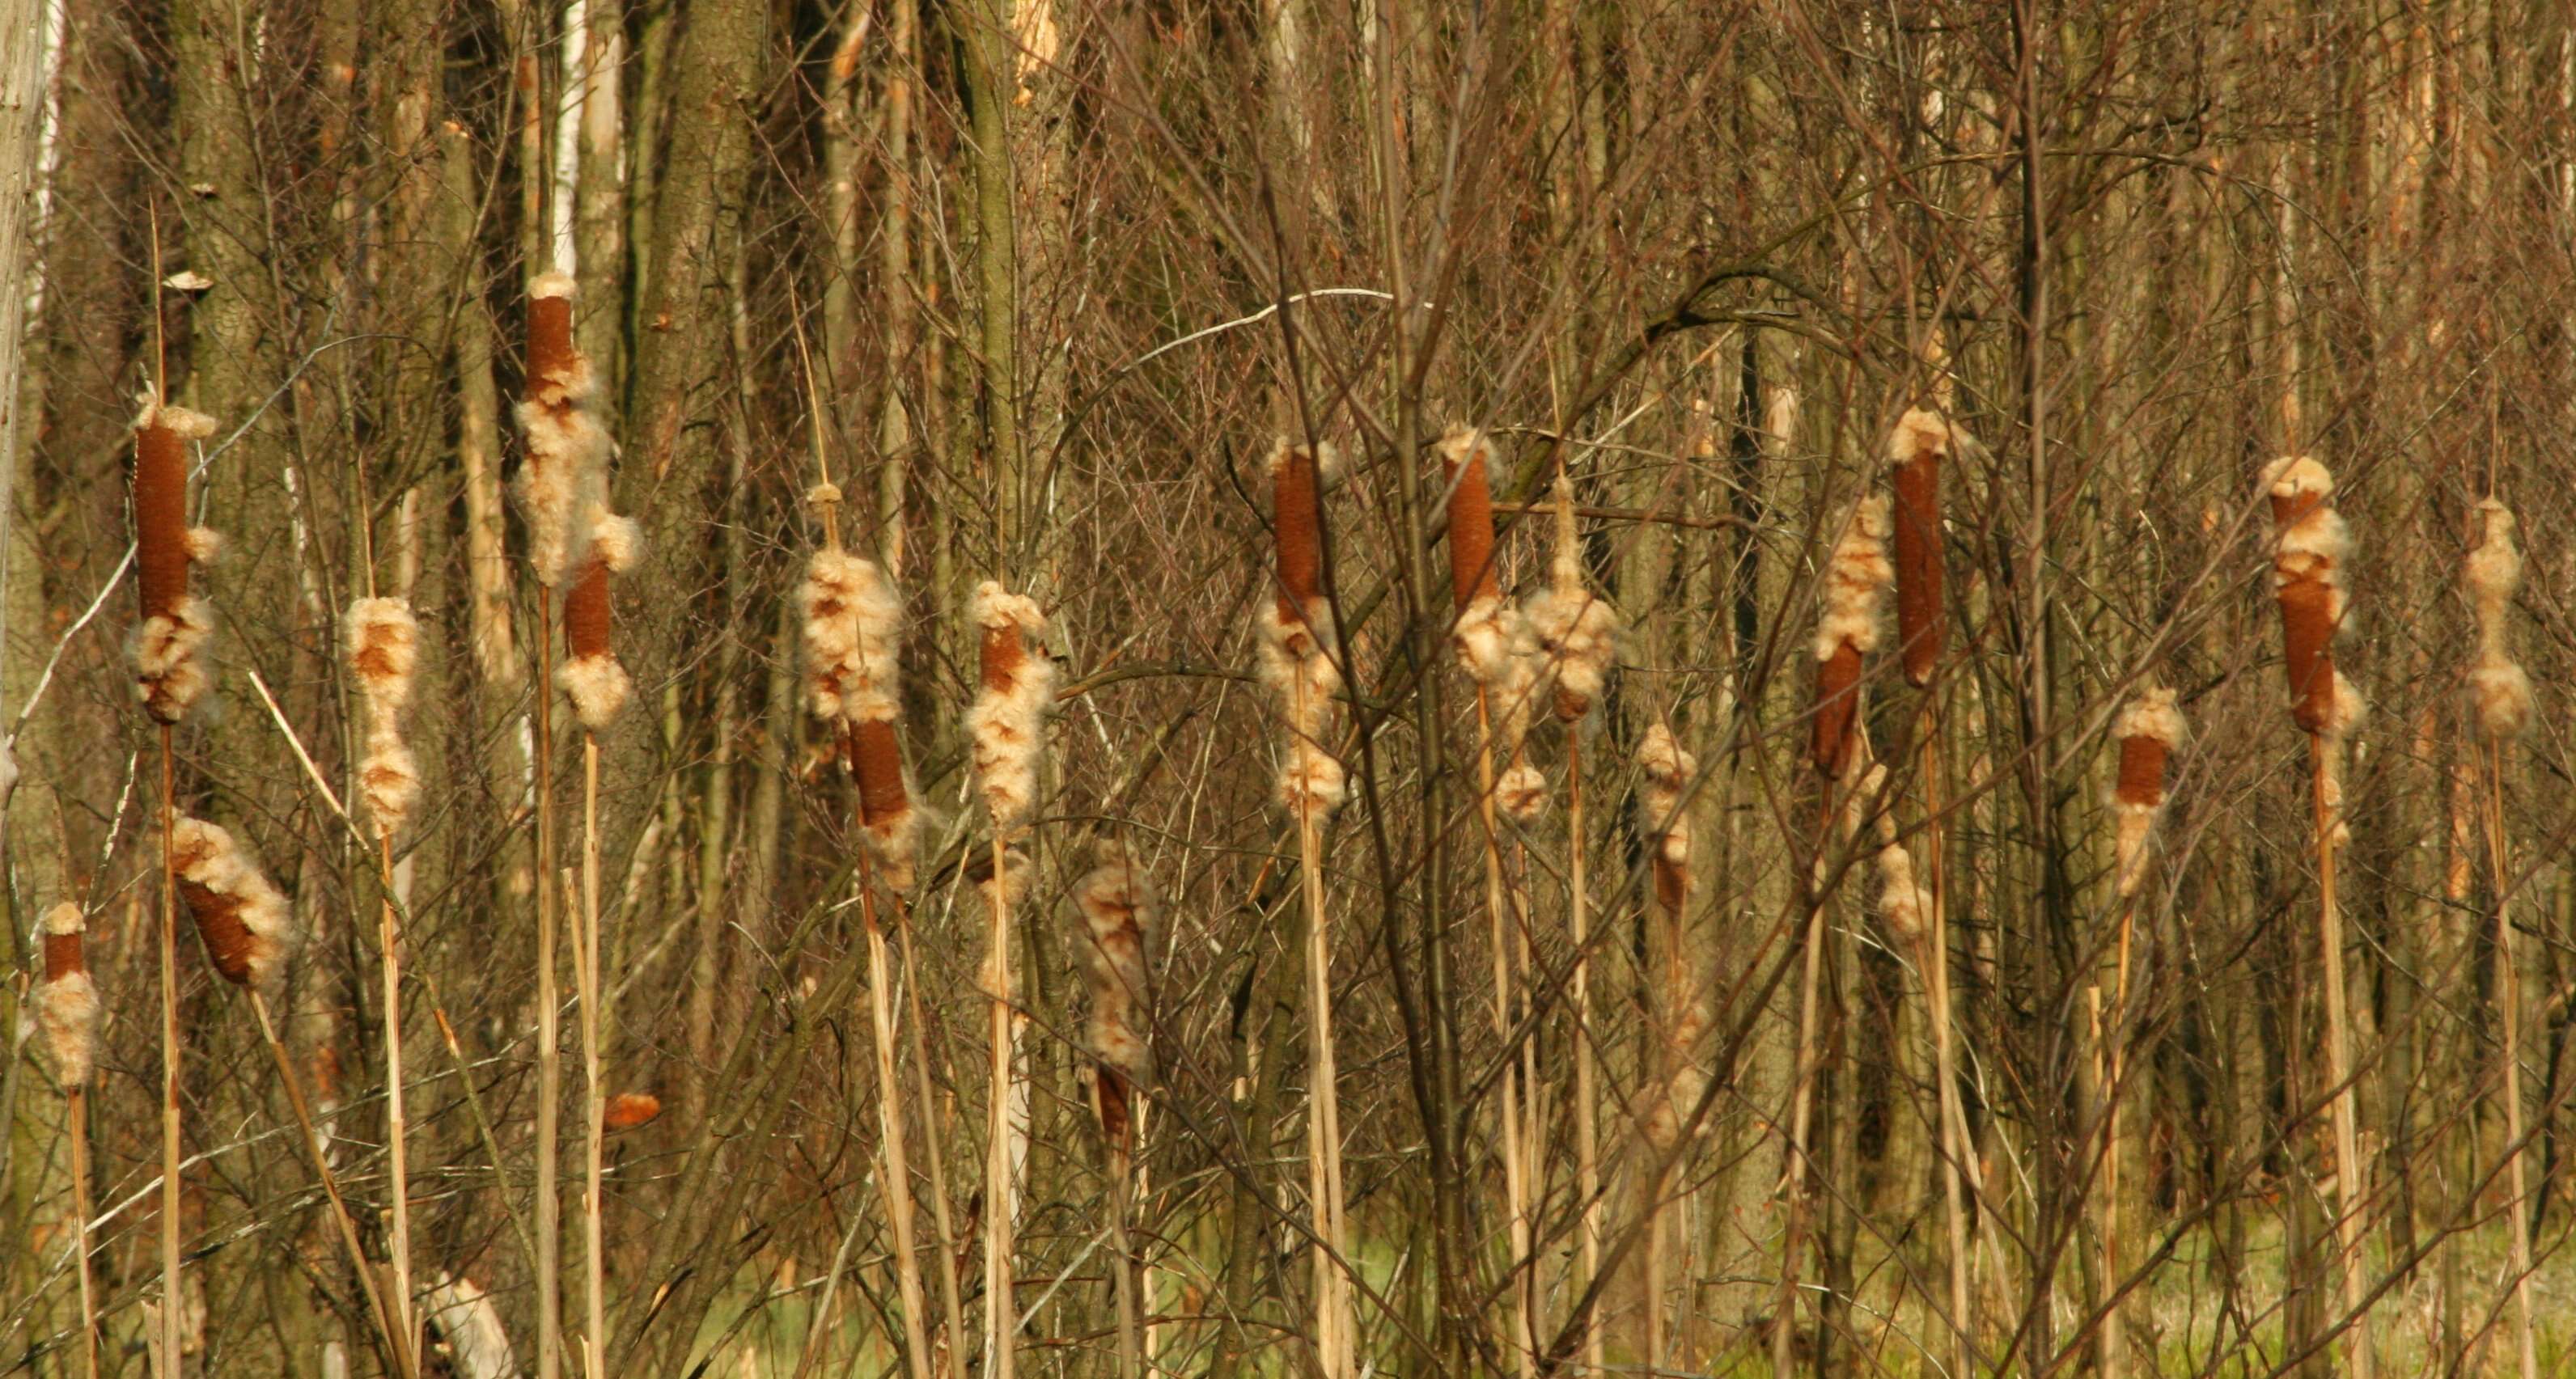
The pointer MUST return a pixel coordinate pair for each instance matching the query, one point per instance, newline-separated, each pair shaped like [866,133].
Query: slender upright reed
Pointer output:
[66,1005]
[2500,703]
[1008,728]
[1494,645]
[381,640]
[1118,937]
[1577,632]
[1857,575]
[170,676]
[1663,822]
[2311,545]
[1297,664]
[2149,730]
[559,484]
[851,622]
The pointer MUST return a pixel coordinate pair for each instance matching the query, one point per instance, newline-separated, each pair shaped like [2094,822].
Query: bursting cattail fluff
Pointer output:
[565,471]
[1914,454]
[2499,690]
[1496,643]
[2149,729]
[591,675]
[1577,629]
[2312,544]
[242,919]
[67,1000]
[1856,579]
[1118,938]
[1008,720]
[1904,903]
[169,646]
[852,634]
[1297,634]
[383,642]
[1661,817]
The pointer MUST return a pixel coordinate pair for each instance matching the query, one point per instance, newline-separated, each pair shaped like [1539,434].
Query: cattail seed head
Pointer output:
[591,675]
[564,473]
[885,800]
[1296,631]
[383,648]
[67,999]
[1577,630]
[2312,544]
[2149,729]
[170,638]
[852,629]
[1855,590]
[2499,690]
[1662,819]
[1298,474]
[1008,720]
[1903,902]
[1914,454]
[242,919]
[1463,458]
[169,659]
[627,1110]
[1118,939]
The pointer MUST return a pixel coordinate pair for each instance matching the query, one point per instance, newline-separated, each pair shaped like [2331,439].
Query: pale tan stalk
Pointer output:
[1515,1163]
[897,1177]
[1000,1197]
[939,1216]
[1784,1316]
[549,1017]
[1324,1121]
[1587,1135]
[594,1087]
[78,1097]
[170,1277]
[2348,1165]
[1934,959]
[2508,996]
[397,1124]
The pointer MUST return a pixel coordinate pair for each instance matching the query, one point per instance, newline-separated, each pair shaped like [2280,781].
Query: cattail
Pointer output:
[383,641]
[1904,902]
[1856,580]
[1577,629]
[1684,1080]
[1496,642]
[170,639]
[1118,940]
[627,1110]
[2149,729]
[1008,721]
[1914,454]
[564,473]
[2307,567]
[242,919]
[852,631]
[67,1000]
[1661,817]
[2499,690]
[591,675]
[1297,629]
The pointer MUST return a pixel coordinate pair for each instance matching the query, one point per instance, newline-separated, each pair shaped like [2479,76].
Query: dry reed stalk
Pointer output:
[1118,938]
[851,621]
[2149,730]
[1494,646]
[1008,727]
[67,1012]
[382,643]
[2311,544]
[1663,821]
[2500,702]
[1577,632]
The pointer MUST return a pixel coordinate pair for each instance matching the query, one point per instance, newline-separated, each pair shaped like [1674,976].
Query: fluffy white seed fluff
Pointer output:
[388,778]
[185,424]
[169,656]
[852,634]
[205,545]
[564,477]
[2348,710]
[2500,695]
[208,857]
[1118,942]
[383,649]
[67,1009]
[1328,465]
[1577,630]
[1489,633]
[2154,713]
[1008,724]
[1903,902]
[823,495]
[598,687]
[2499,691]
[614,541]
[1857,577]
[1667,771]
[552,285]
[1301,673]
[1914,430]
[1684,1080]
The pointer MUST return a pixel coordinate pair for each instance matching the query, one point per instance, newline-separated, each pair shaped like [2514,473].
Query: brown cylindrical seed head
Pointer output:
[229,941]
[63,955]
[586,611]
[2307,633]
[552,359]
[2142,770]
[1918,562]
[876,757]
[1297,522]
[1471,527]
[1000,656]
[160,517]
[1837,703]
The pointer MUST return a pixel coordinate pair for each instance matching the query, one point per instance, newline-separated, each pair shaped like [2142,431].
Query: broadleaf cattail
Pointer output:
[241,917]
[1464,457]
[565,471]
[591,675]
[2312,544]
[1297,634]
[1914,454]
[170,638]
[1118,938]
[2148,729]
[1856,579]
[853,620]
[1577,629]
[1661,816]
[67,1000]
[1904,902]
[1495,640]
[1008,720]
[383,648]
[2499,689]
[627,1110]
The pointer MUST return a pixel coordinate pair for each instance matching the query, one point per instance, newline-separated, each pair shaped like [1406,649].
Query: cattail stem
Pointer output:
[594,1088]
[2115,1029]
[1587,1135]
[1784,1319]
[170,1278]
[1498,929]
[397,1124]
[1333,1320]
[940,1219]
[2508,996]
[1934,959]
[1000,1191]
[549,1016]
[1131,1341]
[2348,1165]
[896,1180]
[77,1100]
